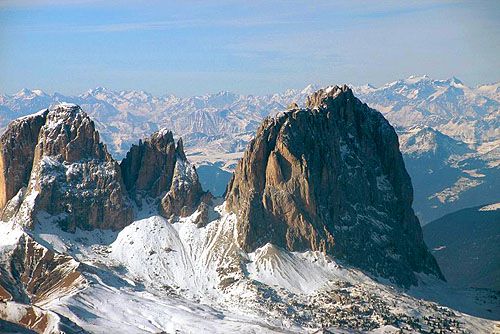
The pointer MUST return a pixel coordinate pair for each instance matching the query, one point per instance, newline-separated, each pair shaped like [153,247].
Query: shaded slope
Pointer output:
[466,244]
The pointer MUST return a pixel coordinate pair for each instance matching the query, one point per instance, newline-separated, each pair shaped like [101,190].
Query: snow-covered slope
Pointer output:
[157,275]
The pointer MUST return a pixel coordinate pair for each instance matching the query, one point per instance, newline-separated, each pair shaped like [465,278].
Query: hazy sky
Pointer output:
[194,47]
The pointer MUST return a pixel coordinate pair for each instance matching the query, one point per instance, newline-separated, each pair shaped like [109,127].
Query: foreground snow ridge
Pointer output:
[170,275]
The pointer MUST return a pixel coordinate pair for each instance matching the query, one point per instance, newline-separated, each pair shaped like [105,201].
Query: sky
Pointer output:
[254,47]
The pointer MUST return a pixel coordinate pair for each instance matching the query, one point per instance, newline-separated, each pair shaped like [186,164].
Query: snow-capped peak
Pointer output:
[65,105]
[455,82]
[100,93]
[38,92]
[28,93]
[309,89]
[415,78]
[99,89]
[23,93]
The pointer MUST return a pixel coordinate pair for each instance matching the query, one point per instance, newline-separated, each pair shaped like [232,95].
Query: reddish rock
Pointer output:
[331,178]
[158,169]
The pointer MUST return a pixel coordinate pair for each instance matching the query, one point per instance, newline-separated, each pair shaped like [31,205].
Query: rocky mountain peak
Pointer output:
[322,96]
[61,171]
[180,149]
[70,135]
[17,145]
[148,167]
[331,178]
[157,169]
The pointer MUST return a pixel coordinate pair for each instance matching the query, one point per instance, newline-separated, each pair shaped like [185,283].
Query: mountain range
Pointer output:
[217,127]
[316,232]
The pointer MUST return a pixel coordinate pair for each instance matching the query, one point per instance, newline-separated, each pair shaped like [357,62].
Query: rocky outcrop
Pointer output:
[31,277]
[17,145]
[149,166]
[158,169]
[33,274]
[331,178]
[73,180]
[185,195]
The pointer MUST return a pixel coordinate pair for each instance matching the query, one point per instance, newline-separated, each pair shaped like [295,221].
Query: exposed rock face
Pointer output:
[157,168]
[34,274]
[73,181]
[331,178]
[149,166]
[185,195]
[17,145]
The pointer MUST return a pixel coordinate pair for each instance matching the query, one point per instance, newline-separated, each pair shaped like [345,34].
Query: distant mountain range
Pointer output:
[467,114]
[436,120]
[447,174]
[464,113]
[316,232]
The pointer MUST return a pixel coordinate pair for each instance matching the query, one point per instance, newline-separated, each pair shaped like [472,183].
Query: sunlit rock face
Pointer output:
[17,145]
[73,180]
[330,177]
[33,274]
[157,169]
[148,167]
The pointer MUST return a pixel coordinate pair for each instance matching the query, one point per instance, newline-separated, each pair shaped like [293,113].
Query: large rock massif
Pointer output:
[53,166]
[157,168]
[64,172]
[331,178]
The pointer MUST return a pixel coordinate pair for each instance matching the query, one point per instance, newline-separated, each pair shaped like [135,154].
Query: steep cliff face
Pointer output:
[157,169]
[73,179]
[331,178]
[149,166]
[17,145]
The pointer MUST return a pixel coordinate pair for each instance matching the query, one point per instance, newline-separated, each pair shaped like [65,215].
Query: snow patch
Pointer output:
[491,207]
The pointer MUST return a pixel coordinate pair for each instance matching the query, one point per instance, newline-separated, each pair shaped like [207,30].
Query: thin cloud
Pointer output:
[152,25]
